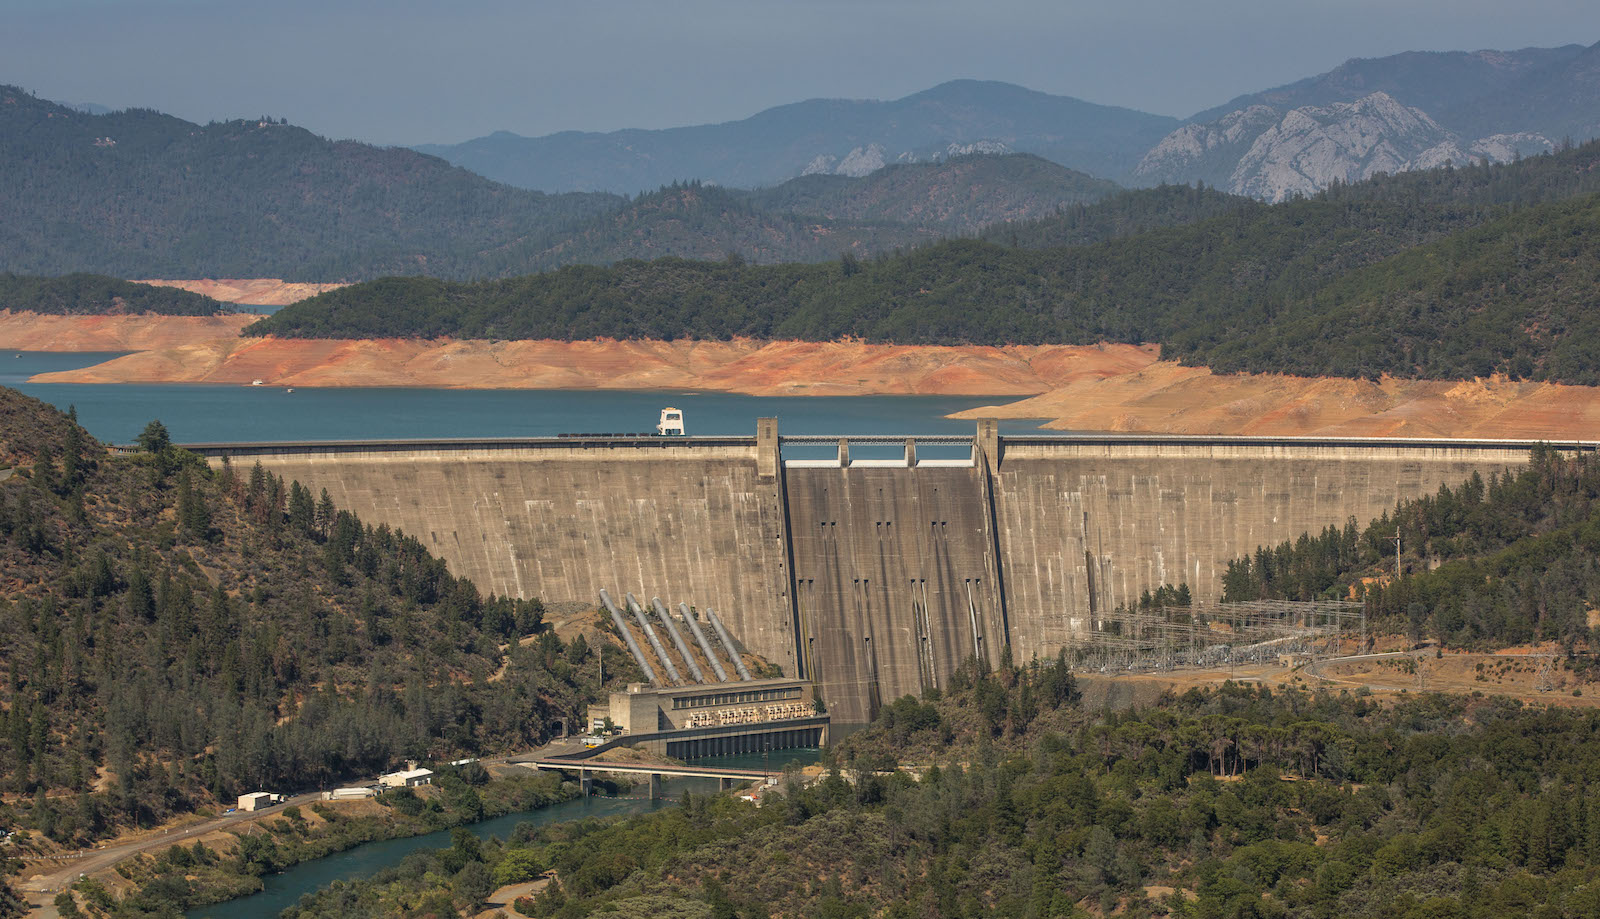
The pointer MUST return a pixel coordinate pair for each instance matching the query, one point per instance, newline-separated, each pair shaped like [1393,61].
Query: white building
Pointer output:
[257,800]
[348,794]
[410,778]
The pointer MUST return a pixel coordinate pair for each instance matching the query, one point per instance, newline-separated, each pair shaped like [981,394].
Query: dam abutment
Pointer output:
[872,577]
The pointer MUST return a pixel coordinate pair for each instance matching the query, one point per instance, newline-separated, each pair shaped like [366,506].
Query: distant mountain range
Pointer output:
[1552,91]
[1270,154]
[1410,111]
[141,194]
[829,136]
[1406,111]
[819,218]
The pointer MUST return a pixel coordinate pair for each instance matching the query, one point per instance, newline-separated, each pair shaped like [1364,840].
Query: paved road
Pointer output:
[40,891]
[1313,669]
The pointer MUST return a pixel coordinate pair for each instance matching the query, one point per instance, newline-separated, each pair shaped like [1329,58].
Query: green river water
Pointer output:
[286,888]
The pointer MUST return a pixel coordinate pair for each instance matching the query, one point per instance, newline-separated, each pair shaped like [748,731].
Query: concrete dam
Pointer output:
[872,578]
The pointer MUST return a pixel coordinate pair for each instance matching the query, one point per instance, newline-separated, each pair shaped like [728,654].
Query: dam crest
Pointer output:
[872,566]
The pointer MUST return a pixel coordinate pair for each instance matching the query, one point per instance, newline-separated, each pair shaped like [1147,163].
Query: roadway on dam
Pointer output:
[873,577]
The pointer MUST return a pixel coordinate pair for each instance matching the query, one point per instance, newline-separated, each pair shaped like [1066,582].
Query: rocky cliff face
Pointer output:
[865,160]
[1273,154]
[1207,152]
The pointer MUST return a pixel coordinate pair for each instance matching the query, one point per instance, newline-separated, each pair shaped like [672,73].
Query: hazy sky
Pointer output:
[406,71]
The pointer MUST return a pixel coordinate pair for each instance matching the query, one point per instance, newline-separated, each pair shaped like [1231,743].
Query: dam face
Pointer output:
[1087,525]
[685,521]
[874,578]
[895,579]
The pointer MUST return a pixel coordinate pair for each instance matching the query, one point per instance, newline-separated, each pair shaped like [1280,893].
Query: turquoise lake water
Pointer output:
[194,413]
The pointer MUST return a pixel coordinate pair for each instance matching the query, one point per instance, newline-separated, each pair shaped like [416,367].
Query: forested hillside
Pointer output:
[141,194]
[172,636]
[1124,213]
[1499,285]
[815,218]
[1490,564]
[93,294]
[1517,296]
[1235,803]
[956,197]
[696,221]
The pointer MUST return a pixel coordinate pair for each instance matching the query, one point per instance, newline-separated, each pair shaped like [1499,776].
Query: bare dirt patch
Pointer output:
[1169,398]
[1529,675]
[753,368]
[500,902]
[22,331]
[254,291]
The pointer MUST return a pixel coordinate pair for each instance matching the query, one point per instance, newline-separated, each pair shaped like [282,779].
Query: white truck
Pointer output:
[671,424]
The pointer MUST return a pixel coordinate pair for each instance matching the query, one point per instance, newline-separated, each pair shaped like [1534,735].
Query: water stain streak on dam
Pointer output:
[874,578]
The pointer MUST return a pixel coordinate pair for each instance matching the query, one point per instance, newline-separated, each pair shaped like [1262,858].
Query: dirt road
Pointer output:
[40,890]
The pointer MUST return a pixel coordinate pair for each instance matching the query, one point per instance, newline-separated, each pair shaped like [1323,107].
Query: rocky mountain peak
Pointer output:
[1274,154]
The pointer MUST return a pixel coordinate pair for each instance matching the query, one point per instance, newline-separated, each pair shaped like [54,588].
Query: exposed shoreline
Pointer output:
[252,291]
[23,331]
[740,366]
[1122,388]
[1167,398]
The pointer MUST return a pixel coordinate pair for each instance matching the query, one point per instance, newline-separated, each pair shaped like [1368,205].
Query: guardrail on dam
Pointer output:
[872,577]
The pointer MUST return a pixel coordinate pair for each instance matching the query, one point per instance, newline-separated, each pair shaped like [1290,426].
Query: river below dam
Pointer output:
[285,889]
[195,413]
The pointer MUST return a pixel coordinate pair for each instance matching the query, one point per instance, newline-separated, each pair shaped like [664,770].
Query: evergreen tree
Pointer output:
[154,438]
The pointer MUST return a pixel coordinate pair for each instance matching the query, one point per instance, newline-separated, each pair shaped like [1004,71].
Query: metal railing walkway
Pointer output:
[695,772]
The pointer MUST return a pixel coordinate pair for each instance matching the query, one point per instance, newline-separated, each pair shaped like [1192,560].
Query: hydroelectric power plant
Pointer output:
[871,577]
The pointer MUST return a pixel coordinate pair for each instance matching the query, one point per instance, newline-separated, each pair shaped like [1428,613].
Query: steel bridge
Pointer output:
[728,776]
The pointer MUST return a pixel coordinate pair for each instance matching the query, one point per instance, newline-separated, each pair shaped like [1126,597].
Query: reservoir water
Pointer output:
[284,889]
[193,413]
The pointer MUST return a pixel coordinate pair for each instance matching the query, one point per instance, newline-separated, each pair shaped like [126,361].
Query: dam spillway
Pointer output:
[874,578]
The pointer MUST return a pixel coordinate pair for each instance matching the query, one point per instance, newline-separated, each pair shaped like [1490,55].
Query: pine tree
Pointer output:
[256,496]
[325,513]
[193,516]
[139,598]
[302,510]
[44,469]
[72,459]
